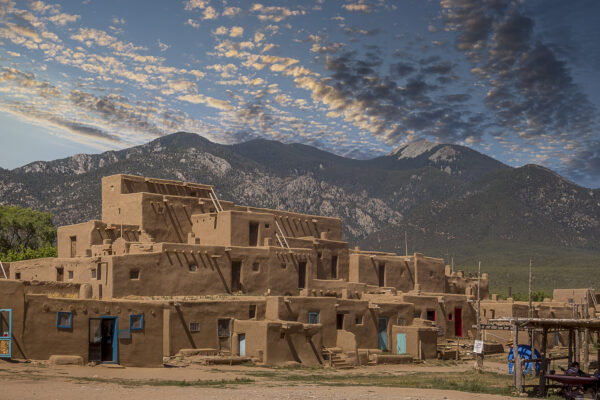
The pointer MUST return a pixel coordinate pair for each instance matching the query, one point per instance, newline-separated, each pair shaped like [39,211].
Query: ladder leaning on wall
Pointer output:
[3,270]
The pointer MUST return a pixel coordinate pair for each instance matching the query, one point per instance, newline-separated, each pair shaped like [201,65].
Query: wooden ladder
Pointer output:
[215,200]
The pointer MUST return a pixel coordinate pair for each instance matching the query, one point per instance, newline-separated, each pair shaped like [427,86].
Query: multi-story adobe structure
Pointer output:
[170,267]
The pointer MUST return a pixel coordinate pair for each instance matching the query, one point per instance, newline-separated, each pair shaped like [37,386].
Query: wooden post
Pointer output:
[479,364]
[544,366]
[586,334]
[458,348]
[570,359]
[517,360]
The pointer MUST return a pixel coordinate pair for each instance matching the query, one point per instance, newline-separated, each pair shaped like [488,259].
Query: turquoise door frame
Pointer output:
[401,343]
[382,333]
[7,335]
[242,341]
[115,340]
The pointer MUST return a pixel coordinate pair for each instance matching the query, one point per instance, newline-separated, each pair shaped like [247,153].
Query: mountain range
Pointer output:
[444,200]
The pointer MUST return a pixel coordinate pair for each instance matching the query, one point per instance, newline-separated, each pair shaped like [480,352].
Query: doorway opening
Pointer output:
[236,272]
[381,275]
[103,340]
[301,274]
[253,234]
[458,328]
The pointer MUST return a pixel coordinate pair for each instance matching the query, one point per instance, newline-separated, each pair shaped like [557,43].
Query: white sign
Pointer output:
[478,347]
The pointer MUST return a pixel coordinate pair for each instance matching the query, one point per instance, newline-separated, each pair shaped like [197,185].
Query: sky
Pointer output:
[516,80]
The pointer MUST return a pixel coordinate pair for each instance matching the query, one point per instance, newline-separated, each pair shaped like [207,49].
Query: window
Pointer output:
[223,327]
[136,322]
[17,275]
[267,226]
[283,265]
[450,317]
[64,320]
[339,321]
[252,311]
[358,319]
[194,327]
[134,274]
[99,275]
[430,315]
[255,266]
[401,322]
[282,334]
[381,275]
[70,274]
[313,317]
[60,274]
[193,267]
[94,273]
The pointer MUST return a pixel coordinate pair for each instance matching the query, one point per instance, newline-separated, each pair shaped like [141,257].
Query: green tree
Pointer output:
[24,228]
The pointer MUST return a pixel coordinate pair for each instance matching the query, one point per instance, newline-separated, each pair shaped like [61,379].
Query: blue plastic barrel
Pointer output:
[525,354]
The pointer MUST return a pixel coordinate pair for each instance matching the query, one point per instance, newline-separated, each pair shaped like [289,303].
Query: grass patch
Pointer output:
[469,381]
[162,382]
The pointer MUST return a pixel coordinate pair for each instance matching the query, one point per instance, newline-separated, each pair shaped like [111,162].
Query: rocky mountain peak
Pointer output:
[413,149]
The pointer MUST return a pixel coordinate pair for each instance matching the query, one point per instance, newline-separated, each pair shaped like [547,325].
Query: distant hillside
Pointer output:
[450,200]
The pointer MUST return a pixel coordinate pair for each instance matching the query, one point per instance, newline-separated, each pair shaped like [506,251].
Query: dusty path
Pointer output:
[41,382]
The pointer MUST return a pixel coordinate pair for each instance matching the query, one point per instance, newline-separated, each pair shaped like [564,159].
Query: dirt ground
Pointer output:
[40,381]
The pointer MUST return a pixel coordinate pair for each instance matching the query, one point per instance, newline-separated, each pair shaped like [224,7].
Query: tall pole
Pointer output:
[406,243]
[530,313]
[479,364]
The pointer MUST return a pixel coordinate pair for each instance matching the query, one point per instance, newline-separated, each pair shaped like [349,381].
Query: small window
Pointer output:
[193,267]
[252,311]
[134,274]
[267,226]
[99,274]
[70,274]
[194,327]
[223,328]
[136,322]
[450,317]
[255,267]
[64,320]
[401,322]
[484,312]
[283,265]
[319,255]
[313,317]
[358,319]
[17,275]
[282,334]
[94,273]
[417,314]
[430,315]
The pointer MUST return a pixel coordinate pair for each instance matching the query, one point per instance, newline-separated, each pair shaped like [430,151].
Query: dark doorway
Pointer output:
[253,234]
[382,333]
[73,246]
[102,340]
[458,328]
[339,321]
[60,274]
[236,272]
[381,275]
[301,274]
[430,315]
[224,334]
[334,263]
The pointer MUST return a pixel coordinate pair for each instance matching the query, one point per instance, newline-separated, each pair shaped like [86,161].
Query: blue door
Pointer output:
[383,333]
[401,343]
[242,340]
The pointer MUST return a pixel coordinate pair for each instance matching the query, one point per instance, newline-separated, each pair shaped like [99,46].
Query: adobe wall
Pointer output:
[399,271]
[573,296]
[12,295]
[421,342]
[194,270]
[42,338]
[206,314]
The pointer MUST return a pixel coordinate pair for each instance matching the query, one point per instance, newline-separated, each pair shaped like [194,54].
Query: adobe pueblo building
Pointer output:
[170,269]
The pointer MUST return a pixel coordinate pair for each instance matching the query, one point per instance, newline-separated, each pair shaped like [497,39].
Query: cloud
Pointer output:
[274,13]
[531,90]
[63,19]
[162,46]
[361,7]
[231,11]
[208,101]
[236,31]
[192,23]
[209,13]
